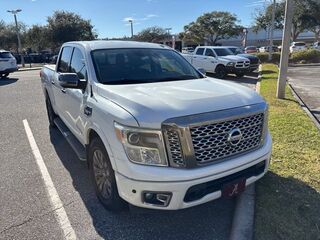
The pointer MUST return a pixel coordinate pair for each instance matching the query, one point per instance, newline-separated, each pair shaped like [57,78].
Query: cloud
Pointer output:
[256,3]
[139,20]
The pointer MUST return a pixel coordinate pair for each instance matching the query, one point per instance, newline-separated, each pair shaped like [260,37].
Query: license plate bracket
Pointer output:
[234,188]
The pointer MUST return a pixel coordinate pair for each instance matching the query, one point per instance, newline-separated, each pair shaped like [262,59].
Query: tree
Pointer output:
[303,18]
[37,38]
[8,35]
[66,26]
[315,18]
[212,27]
[151,34]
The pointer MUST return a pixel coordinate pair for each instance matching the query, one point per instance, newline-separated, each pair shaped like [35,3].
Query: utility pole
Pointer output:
[284,61]
[245,38]
[271,29]
[15,12]
[131,23]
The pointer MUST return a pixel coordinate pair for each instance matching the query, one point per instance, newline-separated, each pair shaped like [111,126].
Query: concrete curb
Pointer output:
[243,218]
[305,65]
[304,106]
[29,69]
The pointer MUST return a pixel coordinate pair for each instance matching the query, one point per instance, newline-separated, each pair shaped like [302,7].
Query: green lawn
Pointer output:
[288,197]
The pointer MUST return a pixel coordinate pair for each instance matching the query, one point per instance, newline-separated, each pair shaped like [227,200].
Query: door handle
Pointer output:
[204,58]
[52,82]
[63,90]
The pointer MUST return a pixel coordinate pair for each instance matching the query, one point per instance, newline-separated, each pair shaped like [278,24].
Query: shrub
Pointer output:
[306,56]
[264,57]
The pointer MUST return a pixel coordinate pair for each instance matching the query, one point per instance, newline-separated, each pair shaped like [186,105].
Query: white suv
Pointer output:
[8,63]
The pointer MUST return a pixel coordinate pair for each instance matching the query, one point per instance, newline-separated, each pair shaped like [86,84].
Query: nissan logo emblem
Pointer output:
[234,136]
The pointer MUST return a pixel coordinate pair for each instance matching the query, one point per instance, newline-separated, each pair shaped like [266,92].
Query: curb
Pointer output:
[243,218]
[29,69]
[305,65]
[304,106]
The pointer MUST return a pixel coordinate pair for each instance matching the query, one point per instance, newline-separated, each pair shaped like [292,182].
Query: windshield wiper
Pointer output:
[177,78]
[126,81]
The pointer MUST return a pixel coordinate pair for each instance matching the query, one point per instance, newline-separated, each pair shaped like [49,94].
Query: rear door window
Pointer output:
[209,52]
[64,61]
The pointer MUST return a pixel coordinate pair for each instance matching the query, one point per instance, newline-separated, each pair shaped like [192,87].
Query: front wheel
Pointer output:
[103,176]
[221,72]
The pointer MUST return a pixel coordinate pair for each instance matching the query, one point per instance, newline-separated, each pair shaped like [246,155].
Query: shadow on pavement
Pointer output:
[286,208]
[250,78]
[7,81]
[209,221]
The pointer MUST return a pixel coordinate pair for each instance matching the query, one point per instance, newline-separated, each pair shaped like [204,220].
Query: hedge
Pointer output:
[306,56]
[264,57]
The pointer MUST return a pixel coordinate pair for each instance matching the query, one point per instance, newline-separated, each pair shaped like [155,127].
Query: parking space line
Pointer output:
[57,206]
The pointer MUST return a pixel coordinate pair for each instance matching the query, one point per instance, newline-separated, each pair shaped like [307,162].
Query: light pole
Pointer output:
[284,60]
[131,24]
[271,29]
[15,12]
[168,33]
[245,32]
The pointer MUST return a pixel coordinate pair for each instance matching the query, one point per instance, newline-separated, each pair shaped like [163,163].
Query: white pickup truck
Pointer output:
[218,60]
[155,132]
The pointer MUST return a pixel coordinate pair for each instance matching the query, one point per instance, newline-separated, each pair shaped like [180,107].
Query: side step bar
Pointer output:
[77,147]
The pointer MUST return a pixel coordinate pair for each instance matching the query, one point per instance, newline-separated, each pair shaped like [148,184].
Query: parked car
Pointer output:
[316,45]
[266,49]
[155,132]
[187,50]
[8,63]
[251,49]
[218,60]
[297,46]
[254,60]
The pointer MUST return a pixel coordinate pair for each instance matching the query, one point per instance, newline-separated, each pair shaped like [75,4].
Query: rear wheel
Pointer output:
[221,72]
[50,112]
[103,176]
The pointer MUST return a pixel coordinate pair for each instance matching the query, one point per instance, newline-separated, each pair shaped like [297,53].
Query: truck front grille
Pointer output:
[210,142]
[194,141]
[243,64]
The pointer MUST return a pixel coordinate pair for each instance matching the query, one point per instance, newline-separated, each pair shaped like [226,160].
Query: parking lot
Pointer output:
[26,212]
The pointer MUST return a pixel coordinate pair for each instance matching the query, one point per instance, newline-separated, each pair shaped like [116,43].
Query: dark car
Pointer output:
[254,60]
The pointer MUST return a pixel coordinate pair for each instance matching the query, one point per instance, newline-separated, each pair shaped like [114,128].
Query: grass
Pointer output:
[288,197]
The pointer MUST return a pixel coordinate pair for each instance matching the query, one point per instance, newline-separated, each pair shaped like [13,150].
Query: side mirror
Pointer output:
[202,71]
[69,80]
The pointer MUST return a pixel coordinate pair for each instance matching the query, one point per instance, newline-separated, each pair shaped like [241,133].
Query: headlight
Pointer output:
[230,64]
[142,146]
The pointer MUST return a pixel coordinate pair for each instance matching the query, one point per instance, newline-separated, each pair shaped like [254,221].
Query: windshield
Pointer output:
[299,44]
[223,52]
[133,65]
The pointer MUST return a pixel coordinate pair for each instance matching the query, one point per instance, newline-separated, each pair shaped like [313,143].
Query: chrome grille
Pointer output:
[243,64]
[174,147]
[210,142]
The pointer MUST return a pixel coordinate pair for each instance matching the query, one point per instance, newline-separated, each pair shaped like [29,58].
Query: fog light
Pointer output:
[161,199]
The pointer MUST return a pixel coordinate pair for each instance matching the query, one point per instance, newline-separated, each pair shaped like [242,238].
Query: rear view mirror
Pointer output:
[69,80]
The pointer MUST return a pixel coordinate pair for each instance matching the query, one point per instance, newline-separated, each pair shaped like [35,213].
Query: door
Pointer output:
[75,99]
[197,58]
[58,91]
[210,61]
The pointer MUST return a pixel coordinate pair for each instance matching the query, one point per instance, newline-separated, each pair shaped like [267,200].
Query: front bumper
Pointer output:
[234,70]
[131,190]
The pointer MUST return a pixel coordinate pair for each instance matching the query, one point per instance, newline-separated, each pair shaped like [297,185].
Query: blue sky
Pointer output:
[110,16]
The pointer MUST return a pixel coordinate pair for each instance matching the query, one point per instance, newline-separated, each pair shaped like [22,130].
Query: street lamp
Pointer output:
[15,12]
[245,37]
[131,23]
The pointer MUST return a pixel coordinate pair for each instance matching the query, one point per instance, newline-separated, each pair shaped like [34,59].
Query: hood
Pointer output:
[249,56]
[153,103]
[233,58]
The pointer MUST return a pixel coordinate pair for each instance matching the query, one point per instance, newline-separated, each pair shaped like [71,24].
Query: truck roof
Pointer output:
[105,44]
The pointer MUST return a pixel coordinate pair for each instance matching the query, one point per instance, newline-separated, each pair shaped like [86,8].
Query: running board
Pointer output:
[77,147]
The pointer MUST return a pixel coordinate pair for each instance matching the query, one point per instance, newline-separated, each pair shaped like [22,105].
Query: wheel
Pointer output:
[50,112]
[103,176]
[240,75]
[5,75]
[221,72]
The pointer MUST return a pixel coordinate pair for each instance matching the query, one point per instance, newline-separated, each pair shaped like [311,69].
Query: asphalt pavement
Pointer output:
[25,209]
[306,83]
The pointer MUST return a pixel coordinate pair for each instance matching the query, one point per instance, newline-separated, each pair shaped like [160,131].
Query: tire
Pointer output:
[50,112]
[103,177]
[240,75]
[221,72]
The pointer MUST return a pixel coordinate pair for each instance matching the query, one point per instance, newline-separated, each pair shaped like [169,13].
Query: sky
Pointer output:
[110,17]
